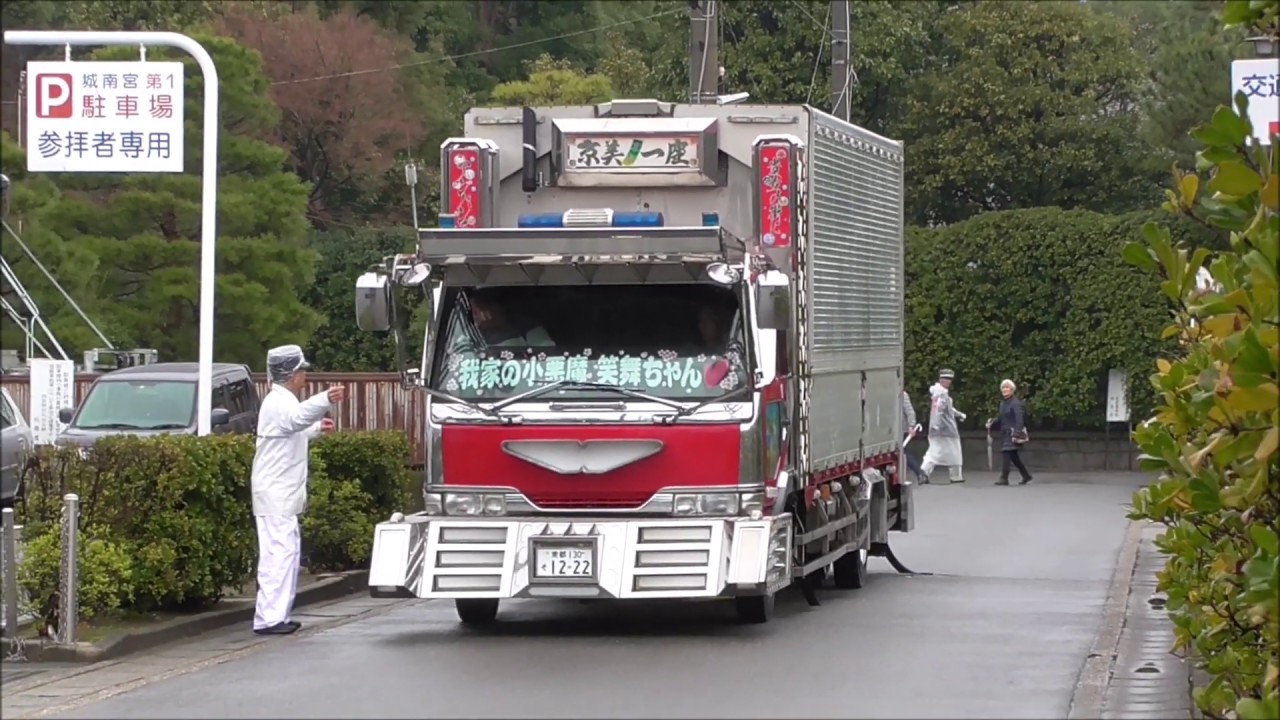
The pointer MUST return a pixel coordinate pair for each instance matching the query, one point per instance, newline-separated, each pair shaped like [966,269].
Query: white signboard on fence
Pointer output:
[116,117]
[1117,396]
[1259,80]
[52,387]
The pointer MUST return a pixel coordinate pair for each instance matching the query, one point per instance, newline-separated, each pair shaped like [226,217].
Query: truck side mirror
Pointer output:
[773,305]
[65,415]
[373,302]
[219,417]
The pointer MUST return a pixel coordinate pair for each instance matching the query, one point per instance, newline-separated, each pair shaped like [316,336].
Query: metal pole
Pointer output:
[209,189]
[10,554]
[704,51]
[841,72]
[69,579]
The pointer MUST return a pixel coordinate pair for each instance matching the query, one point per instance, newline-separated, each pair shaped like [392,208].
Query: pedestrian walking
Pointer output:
[910,428]
[1011,422]
[944,431]
[279,483]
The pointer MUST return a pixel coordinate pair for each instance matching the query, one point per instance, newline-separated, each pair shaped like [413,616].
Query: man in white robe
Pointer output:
[944,433]
[279,482]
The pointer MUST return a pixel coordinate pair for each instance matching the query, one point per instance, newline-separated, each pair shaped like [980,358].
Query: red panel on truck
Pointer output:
[691,455]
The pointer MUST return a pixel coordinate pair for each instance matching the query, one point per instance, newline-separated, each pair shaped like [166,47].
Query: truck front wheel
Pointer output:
[754,609]
[851,570]
[476,611]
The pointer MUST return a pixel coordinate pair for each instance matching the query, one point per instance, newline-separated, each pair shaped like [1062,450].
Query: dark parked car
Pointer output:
[160,398]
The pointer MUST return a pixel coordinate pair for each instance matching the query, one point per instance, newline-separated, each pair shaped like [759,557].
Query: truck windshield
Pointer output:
[138,405]
[671,341]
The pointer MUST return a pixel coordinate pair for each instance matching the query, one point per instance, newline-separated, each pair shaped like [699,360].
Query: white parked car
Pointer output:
[16,444]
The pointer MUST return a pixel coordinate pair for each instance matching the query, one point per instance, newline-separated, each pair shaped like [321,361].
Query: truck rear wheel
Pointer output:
[851,570]
[476,611]
[754,609]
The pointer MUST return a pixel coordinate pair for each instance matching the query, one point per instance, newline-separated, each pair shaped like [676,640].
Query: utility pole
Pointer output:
[704,51]
[841,70]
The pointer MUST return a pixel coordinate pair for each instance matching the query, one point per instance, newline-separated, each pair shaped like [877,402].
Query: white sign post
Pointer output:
[209,185]
[104,117]
[52,386]
[1117,396]
[1259,80]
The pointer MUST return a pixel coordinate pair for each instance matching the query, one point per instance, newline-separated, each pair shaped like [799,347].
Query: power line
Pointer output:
[476,53]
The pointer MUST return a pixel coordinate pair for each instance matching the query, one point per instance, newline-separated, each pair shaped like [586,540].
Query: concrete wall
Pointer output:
[1051,451]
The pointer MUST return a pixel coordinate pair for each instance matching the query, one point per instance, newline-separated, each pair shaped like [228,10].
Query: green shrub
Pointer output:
[1214,435]
[106,572]
[337,529]
[179,503]
[1041,296]
[376,460]
[167,522]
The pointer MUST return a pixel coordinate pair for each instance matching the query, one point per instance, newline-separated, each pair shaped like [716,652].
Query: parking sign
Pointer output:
[104,117]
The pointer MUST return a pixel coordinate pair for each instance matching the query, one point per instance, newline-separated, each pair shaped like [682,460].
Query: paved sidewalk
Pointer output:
[1147,680]
[65,685]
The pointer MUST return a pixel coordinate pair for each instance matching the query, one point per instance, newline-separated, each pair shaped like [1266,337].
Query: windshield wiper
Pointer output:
[112,426]
[573,385]
[687,410]
[489,410]
[166,426]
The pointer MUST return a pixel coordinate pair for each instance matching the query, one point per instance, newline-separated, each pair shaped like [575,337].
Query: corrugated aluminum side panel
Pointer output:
[855,280]
[375,401]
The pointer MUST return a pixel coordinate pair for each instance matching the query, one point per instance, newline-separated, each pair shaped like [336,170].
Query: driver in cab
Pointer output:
[496,329]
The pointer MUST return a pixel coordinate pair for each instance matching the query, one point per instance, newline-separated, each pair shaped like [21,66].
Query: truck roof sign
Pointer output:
[645,152]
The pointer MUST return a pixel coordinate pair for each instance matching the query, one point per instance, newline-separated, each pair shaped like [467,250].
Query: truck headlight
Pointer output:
[707,504]
[474,504]
[433,503]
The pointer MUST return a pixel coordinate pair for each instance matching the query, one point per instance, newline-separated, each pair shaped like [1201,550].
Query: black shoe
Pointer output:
[1002,481]
[1025,480]
[283,628]
[296,625]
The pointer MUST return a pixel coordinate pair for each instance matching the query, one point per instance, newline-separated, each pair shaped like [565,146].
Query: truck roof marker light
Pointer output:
[618,220]
[447,222]
[710,220]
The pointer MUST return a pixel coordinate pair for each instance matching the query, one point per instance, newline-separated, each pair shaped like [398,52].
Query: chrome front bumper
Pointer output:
[429,556]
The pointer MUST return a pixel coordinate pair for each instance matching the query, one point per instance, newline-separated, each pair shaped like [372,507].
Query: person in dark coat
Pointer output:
[1011,422]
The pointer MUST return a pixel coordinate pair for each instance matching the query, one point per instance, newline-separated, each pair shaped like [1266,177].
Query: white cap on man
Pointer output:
[284,361]
[946,374]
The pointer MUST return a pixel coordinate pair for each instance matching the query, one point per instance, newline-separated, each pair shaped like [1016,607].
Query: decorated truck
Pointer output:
[663,358]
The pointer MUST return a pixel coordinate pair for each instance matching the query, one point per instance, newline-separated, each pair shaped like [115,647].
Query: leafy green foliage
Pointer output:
[338,344]
[166,522]
[553,82]
[1214,436]
[1040,296]
[1025,105]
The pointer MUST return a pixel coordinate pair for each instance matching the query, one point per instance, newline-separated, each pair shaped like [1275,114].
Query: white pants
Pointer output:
[279,550]
[955,471]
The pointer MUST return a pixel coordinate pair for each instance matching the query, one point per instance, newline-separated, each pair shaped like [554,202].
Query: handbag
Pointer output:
[1022,437]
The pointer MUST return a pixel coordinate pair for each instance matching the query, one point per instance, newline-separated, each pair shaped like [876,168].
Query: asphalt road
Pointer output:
[1000,630]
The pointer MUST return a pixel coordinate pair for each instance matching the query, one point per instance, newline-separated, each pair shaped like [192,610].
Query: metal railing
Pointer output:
[16,607]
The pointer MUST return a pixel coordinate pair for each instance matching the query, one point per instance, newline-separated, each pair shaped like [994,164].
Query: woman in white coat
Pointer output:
[279,482]
[944,432]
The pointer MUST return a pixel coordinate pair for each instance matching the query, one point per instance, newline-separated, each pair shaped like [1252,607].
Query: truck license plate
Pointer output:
[563,560]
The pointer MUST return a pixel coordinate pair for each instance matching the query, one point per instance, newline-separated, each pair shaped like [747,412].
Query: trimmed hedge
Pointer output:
[1041,296]
[166,522]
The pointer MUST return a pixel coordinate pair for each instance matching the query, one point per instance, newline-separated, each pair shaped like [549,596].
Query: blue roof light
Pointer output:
[447,222]
[620,220]
[710,220]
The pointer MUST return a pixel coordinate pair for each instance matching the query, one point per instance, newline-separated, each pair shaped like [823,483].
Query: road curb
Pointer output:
[329,588]
[1090,694]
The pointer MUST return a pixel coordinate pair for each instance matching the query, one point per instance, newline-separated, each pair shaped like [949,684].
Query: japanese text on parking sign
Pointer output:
[105,117]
